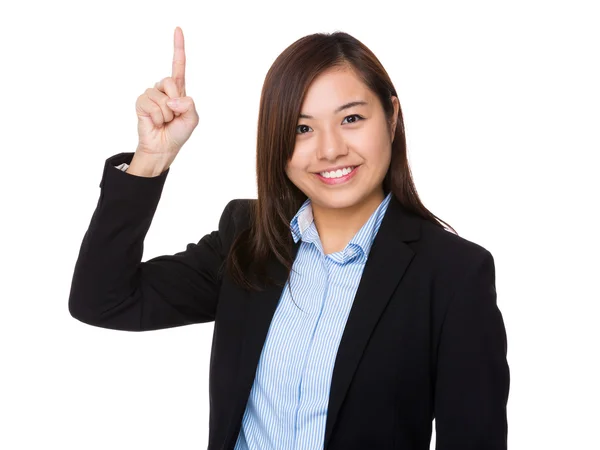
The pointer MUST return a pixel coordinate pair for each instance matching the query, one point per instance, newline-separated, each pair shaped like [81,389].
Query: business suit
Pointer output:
[424,336]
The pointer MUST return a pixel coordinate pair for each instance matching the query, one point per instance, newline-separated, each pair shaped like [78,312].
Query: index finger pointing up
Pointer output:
[178,72]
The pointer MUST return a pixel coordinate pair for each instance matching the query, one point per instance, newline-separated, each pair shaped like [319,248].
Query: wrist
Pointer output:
[147,165]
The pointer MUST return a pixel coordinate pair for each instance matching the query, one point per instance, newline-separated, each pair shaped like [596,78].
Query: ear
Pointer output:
[396,104]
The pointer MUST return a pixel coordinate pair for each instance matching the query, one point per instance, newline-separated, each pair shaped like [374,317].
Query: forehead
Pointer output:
[333,88]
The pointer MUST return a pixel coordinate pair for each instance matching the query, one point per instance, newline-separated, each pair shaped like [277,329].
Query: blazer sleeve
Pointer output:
[112,288]
[472,380]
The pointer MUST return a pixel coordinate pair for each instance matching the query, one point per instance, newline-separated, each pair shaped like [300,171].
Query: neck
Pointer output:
[337,226]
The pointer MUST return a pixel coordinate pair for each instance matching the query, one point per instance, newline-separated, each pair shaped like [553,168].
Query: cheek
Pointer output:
[381,147]
[293,169]
[375,152]
[300,158]
[371,141]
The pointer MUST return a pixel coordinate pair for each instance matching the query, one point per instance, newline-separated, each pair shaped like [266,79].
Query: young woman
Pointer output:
[346,315]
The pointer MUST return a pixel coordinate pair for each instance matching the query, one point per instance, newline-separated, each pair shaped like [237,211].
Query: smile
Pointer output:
[337,177]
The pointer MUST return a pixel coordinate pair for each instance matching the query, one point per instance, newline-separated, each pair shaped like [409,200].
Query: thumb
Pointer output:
[184,106]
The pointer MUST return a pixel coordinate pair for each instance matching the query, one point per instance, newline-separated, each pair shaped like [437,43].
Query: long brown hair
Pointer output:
[285,86]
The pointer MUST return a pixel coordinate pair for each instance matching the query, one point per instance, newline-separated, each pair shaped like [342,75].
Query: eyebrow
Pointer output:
[341,108]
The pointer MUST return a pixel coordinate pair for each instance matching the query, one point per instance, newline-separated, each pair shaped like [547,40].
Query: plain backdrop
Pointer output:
[501,108]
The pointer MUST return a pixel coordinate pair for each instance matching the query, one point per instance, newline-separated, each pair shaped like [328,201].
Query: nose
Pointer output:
[331,146]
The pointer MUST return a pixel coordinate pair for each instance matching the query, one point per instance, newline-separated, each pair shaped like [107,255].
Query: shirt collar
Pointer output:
[302,226]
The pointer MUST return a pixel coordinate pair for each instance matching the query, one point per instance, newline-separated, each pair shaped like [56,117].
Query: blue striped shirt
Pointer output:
[287,406]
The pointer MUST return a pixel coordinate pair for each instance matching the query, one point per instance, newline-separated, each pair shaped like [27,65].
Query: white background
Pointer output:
[501,106]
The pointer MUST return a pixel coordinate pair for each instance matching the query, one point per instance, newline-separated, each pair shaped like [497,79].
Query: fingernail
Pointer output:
[173,102]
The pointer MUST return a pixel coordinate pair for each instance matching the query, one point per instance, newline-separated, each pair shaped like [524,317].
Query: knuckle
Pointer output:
[142,103]
[153,108]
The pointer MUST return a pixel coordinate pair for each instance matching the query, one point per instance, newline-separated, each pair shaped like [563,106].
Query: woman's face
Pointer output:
[341,156]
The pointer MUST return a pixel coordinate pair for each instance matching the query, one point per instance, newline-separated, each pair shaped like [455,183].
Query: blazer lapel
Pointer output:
[388,260]
[380,278]
[259,311]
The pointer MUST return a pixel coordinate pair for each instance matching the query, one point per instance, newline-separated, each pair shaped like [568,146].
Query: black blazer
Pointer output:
[424,339]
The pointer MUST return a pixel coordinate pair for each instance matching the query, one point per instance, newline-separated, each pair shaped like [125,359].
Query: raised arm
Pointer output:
[112,288]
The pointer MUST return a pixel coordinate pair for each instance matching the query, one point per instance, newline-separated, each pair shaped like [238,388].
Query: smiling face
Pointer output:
[343,131]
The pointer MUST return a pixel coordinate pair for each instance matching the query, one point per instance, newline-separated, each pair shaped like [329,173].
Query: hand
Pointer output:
[163,127]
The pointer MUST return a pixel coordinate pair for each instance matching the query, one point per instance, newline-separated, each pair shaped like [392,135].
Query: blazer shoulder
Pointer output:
[452,248]
[452,261]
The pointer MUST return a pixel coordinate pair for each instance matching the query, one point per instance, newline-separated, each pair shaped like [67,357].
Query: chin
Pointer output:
[338,200]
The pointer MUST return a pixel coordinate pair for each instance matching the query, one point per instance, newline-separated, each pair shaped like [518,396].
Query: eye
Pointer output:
[300,126]
[357,117]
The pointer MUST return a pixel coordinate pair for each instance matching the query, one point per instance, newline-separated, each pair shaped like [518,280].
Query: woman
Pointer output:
[346,316]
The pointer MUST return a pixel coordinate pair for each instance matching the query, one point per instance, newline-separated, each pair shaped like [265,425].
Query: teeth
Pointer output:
[337,173]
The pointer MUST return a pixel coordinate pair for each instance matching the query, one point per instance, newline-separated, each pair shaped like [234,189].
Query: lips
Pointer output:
[334,169]
[338,180]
